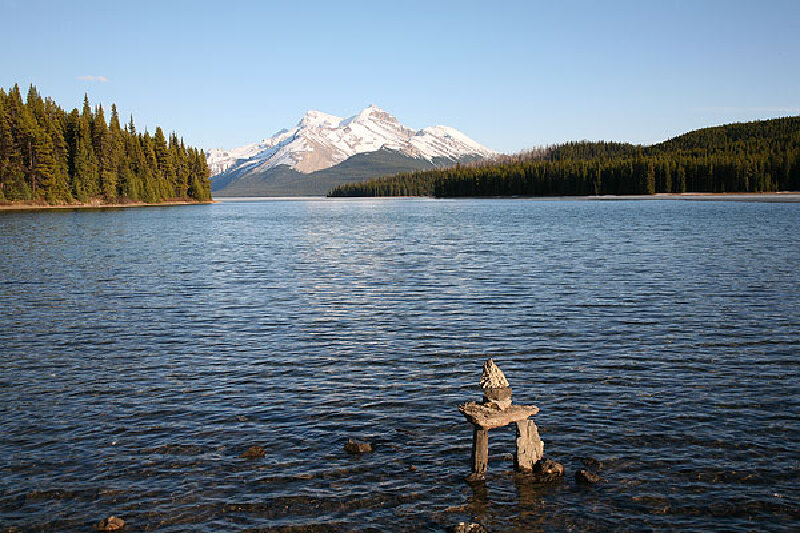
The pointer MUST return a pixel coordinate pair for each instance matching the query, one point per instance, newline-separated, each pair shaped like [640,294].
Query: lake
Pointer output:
[143,350]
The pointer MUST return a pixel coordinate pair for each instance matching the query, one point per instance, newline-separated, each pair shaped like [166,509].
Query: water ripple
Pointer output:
[144,350]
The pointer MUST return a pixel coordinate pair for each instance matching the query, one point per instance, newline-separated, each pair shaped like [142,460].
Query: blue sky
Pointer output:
[511,75]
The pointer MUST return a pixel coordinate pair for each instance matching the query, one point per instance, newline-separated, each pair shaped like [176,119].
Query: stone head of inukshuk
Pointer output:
[496,391]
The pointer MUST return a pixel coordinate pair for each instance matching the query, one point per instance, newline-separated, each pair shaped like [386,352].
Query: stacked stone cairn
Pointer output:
[497,411]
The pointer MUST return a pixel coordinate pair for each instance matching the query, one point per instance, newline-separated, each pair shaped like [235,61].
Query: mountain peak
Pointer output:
[321,140]
[373,113]
[371,109]
[318,119]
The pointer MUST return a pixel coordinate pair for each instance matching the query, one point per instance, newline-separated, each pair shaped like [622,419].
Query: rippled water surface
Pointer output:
[143,350]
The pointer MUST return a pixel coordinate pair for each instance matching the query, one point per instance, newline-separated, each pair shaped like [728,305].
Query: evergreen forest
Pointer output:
[50,156]
[759,156]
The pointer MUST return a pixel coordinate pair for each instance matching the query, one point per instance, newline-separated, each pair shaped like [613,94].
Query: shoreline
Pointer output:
[784,196]
[27,206]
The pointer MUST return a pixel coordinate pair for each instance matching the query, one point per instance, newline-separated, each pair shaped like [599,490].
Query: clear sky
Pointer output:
[511,75]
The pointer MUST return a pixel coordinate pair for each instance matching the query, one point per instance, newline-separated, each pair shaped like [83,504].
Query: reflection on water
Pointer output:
[144,350]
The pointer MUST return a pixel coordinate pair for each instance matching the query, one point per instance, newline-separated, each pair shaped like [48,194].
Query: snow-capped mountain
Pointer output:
[320,141]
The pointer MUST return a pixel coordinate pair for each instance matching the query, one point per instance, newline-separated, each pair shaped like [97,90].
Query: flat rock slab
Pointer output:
[490,416]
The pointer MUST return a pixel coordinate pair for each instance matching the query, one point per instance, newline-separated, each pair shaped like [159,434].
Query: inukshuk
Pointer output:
[496,411]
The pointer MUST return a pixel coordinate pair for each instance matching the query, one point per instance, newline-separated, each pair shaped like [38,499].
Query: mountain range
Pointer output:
[324,151]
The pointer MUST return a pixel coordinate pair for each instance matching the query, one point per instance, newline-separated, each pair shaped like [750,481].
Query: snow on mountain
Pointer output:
[321,141]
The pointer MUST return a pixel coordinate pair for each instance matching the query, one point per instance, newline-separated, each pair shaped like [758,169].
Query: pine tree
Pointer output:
[118,162]
[181,171]
[103,149]
[164,164]
[51,153]
[149,172]
[87,176]
[6,146]
[47,154]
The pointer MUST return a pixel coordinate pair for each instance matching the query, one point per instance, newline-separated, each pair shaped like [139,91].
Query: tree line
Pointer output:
[49,155]
[759,156]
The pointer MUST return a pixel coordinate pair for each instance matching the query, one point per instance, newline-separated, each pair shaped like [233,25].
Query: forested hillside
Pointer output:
[49,155]
[759,156]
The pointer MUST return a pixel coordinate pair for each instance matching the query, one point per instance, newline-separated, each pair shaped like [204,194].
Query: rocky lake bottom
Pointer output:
[143,351]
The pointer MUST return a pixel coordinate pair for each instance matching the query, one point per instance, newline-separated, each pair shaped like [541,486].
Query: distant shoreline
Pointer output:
[29,206]
[788,196]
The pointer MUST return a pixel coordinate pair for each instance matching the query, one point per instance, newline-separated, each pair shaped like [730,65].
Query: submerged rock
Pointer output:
[592,462]
[586,478]
[357,447]
[112,523]
[464,527]
[547,470]
[253,452]
[476,477]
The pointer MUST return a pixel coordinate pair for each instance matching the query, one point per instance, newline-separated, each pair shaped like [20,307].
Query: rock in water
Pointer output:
[587,478]
[463,527]
[592,462]
[357,448]
[547,470]
[112,523]
[492,377]
[476,477]
[253,452]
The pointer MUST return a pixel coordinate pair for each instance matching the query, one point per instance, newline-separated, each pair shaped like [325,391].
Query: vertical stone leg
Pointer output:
[538,443]
[530,447]
[480,453]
